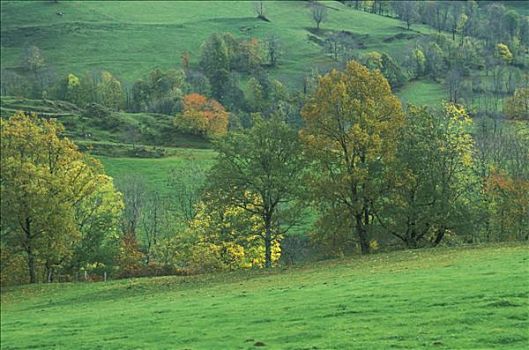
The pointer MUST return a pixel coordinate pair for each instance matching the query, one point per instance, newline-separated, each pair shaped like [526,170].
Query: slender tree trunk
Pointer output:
[31,265]
[268,243]
[50,275]
[440,235]
[32,270]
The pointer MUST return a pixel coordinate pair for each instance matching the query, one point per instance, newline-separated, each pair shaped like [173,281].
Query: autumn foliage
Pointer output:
[203,116]
[352,124]
[508,205]
[55,199]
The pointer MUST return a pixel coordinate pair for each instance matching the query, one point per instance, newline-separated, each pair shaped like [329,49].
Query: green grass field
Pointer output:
[156,171]
[132,38]
[423,93]
[458,298]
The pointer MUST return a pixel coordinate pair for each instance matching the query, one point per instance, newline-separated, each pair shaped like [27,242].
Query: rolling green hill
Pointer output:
[464,298]
[131,38]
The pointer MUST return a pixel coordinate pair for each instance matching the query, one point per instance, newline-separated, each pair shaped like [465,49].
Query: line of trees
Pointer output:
[376,175]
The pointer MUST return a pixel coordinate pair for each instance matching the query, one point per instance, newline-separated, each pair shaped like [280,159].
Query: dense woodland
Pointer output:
[337,166]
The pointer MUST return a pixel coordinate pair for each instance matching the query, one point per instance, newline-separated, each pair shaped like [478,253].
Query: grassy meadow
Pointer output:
[156,172]
[457,298]
[97,35]
[422,92]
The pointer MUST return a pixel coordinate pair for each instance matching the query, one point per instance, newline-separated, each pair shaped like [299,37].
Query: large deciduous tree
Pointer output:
[432,176]
[46,189]
[352,123]
[260,171]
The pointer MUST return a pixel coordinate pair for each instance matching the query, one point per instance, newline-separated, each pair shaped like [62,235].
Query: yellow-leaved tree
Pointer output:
[352,123]
[229,237]
[47,186]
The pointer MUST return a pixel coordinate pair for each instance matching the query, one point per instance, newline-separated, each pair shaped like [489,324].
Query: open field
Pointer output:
[459,298]
[422,92]
[372,181]
[156,171]
[97,35]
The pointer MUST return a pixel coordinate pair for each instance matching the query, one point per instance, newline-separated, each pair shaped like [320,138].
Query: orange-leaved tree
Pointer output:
[202,116]
[508,205]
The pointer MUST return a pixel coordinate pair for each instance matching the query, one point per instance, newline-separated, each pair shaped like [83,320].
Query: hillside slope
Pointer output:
[445,298]
[131,38]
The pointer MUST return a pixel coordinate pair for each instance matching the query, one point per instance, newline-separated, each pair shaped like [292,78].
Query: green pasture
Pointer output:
[130,38]
[423,92]
[156,172]
[447,298]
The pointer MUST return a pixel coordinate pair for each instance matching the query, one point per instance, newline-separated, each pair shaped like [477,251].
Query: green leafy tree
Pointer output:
[98,218]
[386,65]
[432,177]
[260,171]
[215,62]
[110,91]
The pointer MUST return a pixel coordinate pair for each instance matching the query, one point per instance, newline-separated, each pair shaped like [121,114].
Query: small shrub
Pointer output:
[96,110]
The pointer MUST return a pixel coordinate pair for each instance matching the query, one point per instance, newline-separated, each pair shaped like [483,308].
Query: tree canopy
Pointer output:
[47,189]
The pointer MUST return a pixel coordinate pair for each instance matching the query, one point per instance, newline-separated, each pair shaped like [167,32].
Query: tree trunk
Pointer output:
[411,242]
[32,270]
[268,244]
[362,234]
[50,275]
[439,236]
